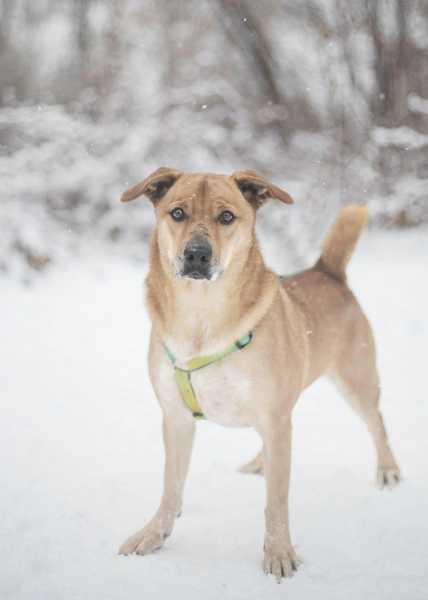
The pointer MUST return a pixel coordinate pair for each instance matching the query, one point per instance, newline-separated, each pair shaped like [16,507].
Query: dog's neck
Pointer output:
[196,318]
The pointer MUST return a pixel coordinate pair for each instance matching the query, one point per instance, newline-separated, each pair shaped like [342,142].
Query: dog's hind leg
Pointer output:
[356,377]
[254,466]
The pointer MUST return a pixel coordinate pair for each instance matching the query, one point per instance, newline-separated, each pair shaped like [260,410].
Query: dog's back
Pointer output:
[334,319]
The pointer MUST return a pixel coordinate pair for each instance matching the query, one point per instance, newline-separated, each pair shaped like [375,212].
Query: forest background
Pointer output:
[327,98]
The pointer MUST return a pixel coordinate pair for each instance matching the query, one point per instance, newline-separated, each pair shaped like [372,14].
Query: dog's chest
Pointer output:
[224,393]
[224,390]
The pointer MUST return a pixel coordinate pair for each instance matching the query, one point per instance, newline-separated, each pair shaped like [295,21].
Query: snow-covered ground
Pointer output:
[82,455]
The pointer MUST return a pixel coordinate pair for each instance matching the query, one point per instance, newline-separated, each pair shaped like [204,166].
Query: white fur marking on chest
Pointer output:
[223,393]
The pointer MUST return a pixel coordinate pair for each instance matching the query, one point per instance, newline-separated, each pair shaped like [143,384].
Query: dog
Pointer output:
[234,343]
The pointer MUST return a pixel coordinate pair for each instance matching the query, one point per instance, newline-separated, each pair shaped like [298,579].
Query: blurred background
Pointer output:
[327,98]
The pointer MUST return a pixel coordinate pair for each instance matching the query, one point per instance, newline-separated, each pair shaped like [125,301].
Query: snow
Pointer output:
[63,173]
[417,104]
[82,452]
[399,136]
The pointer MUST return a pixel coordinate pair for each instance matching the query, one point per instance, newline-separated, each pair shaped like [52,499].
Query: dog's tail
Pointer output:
[341,240]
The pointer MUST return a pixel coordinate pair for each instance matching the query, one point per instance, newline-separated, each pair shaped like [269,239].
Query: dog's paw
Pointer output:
[255,466]
[388,476]
[144,542]
[280,564]
[151,537]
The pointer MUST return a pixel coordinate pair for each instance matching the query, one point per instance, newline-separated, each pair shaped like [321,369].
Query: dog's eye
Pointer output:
[226,217]
[177,214]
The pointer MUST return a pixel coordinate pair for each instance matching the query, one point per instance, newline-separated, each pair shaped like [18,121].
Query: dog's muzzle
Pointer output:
[197,260]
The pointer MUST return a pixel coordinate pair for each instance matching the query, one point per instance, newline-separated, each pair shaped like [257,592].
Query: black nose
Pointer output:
[198,253]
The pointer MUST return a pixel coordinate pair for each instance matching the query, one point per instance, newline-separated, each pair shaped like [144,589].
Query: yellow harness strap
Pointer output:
[182,376]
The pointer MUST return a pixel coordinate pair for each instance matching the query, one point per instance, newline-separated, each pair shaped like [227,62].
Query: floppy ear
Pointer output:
[155,186]
[258,190]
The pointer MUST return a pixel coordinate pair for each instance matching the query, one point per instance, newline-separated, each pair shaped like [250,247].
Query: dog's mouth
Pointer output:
[209,272]
[190,272]
[196,275]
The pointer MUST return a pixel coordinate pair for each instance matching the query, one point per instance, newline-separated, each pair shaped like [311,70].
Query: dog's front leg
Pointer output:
[280,558]
[178,435]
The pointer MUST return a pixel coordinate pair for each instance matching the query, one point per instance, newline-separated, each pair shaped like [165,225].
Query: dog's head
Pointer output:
[204,220]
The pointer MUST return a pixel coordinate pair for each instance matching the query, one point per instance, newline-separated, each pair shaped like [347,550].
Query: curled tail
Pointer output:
[341,240]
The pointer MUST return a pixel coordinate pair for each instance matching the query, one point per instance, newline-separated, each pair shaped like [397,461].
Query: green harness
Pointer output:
[183,375]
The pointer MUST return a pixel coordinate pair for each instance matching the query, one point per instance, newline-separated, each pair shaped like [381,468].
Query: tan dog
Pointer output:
[208,287]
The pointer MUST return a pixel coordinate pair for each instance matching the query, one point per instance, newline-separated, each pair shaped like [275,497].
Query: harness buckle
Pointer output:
[241,345]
